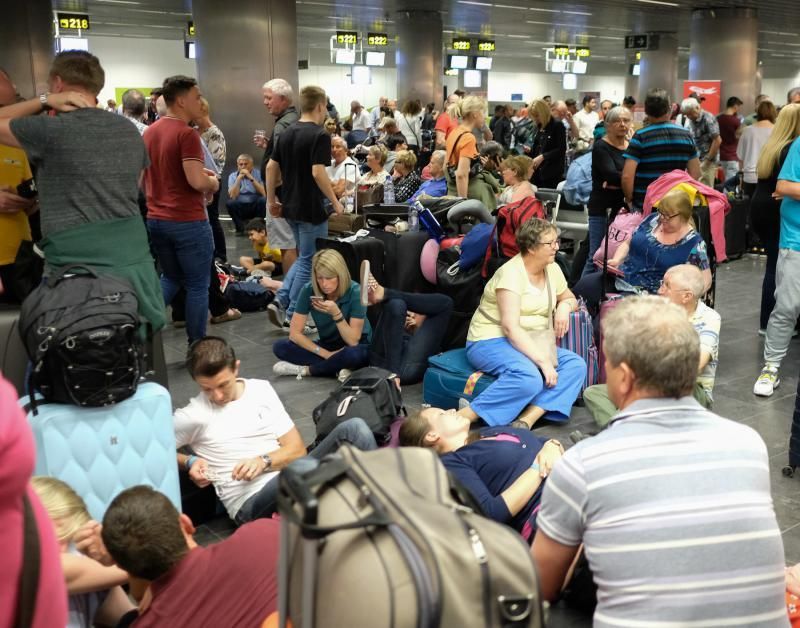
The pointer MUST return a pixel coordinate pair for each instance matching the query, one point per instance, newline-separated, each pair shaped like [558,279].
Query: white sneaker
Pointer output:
[308,330]
[287,368]
[343,375]
[276,314]
[767,382]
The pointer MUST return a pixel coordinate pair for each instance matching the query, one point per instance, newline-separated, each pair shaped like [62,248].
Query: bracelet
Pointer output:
[338,320]
[535,466]
[190,461]
[317,350]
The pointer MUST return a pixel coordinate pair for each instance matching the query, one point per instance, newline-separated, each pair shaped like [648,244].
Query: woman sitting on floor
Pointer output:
[95,592]
[409,330]
[502,467]
[344,331]
[664,239]
[512,336]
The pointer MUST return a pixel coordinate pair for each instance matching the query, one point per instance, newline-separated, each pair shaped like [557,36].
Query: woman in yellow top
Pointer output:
[509,339]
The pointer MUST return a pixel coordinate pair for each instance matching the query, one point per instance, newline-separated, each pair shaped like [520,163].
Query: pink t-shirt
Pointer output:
[17,456]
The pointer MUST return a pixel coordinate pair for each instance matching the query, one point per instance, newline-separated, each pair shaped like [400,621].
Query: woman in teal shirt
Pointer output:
[341,319]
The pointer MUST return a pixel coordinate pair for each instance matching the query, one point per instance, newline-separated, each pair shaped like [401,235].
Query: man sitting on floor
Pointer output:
[176,582]
[671,503]
[684,286]
[241,435]
[247,197]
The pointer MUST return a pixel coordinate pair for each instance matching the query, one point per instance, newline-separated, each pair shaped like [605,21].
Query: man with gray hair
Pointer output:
[684,286]
[278,98]
[343,171]
[671,503]
[705,130]
[436,186]
[134,107]
[793,96]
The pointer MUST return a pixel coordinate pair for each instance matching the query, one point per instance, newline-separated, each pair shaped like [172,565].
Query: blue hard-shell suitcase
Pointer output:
[450,377]
[100,452]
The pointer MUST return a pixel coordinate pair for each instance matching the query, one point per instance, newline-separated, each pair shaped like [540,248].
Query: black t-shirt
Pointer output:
[607,164]
[765,211]
[301,146]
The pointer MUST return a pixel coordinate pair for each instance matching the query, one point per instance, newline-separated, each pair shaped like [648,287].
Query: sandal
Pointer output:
[231,315]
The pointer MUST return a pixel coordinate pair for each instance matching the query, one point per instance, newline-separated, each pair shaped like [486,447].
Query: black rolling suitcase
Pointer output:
[794,439]
[736,228]
[401,268]
[702,220]
[354,251]
[13,359]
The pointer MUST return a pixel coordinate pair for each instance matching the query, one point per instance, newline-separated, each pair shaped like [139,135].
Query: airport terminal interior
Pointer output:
[545,91]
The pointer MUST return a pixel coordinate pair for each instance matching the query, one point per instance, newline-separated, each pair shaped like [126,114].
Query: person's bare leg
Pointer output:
[530,415]
[288,257]
[246,262]
[271,284]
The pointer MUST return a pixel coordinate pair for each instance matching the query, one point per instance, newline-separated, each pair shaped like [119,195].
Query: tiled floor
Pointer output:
[738,295]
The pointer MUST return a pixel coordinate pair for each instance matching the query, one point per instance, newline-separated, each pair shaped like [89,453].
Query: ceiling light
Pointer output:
[509,6]
[543,10]
[660,2]
[576,12]
[117,2]
[480,4]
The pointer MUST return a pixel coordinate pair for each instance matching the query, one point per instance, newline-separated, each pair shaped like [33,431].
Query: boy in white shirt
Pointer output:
[241,435]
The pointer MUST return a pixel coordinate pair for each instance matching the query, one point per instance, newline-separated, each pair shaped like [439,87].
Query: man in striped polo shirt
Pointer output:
[672,502]
[655,149]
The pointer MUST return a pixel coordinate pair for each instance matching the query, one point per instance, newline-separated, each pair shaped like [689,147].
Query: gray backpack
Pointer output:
[384,538]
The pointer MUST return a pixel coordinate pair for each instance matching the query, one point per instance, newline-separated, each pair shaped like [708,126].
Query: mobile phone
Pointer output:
[316,298]
[27,189]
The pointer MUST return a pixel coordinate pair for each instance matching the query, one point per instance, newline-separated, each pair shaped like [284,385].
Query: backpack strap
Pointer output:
[31,564]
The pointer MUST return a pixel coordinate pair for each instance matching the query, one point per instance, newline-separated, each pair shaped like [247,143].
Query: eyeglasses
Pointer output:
[553,244]
[662,217]
[666,286]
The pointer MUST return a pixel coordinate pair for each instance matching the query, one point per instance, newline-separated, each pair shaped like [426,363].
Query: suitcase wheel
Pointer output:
[788,471]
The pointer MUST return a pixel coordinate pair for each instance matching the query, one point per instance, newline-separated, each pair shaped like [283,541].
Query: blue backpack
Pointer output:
[474,245]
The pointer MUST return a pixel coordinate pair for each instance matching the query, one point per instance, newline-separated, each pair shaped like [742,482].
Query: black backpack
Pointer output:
[370,394]
[248,296]
[81,333]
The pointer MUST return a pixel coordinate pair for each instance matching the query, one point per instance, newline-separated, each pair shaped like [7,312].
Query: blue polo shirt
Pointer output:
[431,187]
[790,208]
[247,191]
[350,305]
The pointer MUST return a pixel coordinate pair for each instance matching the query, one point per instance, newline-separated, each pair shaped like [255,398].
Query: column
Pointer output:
[239,49]
[659,67]
[418,55]
[724,47]
[27,45]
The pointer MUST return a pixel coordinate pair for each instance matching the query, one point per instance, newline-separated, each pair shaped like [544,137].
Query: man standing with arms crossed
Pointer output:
[299,159]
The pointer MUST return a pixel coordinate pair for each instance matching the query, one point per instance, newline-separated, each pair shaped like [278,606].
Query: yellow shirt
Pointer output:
[264,252]
[14,228]
[533,313]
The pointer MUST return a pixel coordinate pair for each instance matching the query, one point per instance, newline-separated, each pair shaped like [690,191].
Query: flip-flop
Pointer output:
[363,275]
[232,315]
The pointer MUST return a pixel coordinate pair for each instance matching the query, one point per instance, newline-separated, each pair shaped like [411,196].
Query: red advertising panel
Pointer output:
[709,92]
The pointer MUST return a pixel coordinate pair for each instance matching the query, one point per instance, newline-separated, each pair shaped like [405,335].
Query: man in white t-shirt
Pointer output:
[586,119]
[343,168]
[241,435]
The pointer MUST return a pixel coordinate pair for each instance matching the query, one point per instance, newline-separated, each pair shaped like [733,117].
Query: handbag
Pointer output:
[475,165]
[544,339]
[370,196]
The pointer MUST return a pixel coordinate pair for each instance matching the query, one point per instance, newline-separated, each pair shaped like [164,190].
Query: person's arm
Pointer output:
[621,254]
[11,203]
[462,176]
[628,177]
[487,133]
[199,177]
[65,101]
[713,150]
[273,180]
[323,182]
[693,168]
[235,187]
[705,358]
[788,188]
[553,561]
[291,448]
[566,303]
[259,187]
[603,164]
[441,139]
[349,330]
[84,575]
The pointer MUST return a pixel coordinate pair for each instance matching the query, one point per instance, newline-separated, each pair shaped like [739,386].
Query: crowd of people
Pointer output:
[660,545]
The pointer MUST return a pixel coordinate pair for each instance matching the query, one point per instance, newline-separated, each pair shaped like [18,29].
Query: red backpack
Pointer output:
[503,241]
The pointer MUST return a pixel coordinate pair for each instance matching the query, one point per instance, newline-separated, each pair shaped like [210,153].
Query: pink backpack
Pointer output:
[619,231]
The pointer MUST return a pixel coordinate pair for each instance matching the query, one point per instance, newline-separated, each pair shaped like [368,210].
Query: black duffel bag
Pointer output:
[81,333]
[370,394]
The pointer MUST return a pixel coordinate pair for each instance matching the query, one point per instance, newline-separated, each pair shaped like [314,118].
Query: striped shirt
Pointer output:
[707,323]
[673,505]
[658,148]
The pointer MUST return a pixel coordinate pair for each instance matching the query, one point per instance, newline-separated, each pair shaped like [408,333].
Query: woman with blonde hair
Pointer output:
[95,595]
[515,172]
[549,147]
[461,145]
[376,160]
[765,209]
[341,318]
[406,179]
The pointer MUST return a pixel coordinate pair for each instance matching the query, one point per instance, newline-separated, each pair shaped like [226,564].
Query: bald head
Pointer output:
[8,91]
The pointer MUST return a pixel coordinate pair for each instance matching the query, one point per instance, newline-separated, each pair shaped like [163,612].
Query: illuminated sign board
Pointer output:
[561,51]
[485,45]
[347,37]
[582,53]
[190,29]
[462,44]
[73,21]
[377,39]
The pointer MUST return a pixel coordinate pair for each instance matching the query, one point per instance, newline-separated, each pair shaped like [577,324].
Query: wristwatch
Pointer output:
[43,101]
[267,462]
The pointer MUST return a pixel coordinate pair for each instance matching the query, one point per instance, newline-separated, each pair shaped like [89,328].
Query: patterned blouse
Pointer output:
[215,141]
[404,187]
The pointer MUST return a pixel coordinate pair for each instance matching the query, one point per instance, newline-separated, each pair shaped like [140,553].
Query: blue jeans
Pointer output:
[242,209]
[395,350]
[520,383]
[185,251]
[597,231]
[265,502]
[346,357]
[305,235]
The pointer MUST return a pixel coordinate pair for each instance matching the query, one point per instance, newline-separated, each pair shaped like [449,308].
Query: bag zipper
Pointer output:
[480,554]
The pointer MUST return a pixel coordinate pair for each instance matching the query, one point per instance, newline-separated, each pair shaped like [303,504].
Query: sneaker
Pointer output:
[343,375]
[287,368]
[767,382]
[364,277]
[276,314]
[309,329]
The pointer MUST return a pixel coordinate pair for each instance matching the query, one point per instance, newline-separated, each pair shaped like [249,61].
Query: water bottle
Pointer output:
[388,191]
[413,218]
[348,204]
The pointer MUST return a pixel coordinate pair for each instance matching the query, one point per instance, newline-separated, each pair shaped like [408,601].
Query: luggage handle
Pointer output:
[66,270]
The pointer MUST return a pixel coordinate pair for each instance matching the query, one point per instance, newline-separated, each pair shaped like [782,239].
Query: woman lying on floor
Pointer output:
[502,467]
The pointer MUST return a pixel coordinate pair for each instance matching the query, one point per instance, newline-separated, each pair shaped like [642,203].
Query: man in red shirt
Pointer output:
[729,123]
[231,583]
[445,122]
[177,184]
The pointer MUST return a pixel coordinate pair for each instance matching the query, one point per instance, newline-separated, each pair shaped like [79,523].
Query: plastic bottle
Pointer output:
[348,204]
[388,191]
[413,218]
